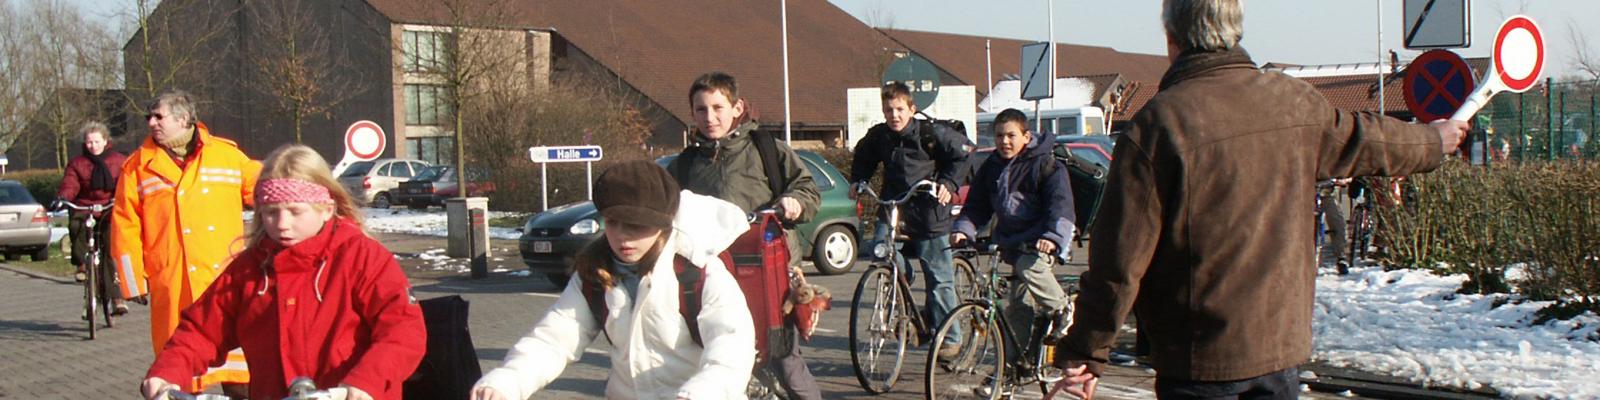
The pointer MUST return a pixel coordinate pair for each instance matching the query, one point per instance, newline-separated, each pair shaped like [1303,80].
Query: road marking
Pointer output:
[544,295]
[825,330]
[1119,391]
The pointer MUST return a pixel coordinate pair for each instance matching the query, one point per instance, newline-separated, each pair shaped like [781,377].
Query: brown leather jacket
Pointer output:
[1206,226]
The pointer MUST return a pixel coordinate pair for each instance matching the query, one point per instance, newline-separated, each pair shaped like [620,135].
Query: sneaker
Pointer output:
[119,309]
[1344,267]
[80,276]
[949,350]
[1006,389]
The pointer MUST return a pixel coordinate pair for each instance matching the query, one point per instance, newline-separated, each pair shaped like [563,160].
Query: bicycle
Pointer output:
[883,311]
[982,369]
[96,296]
[301,388]
[1361,225]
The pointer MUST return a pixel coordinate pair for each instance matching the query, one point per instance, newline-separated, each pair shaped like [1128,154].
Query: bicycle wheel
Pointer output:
[1358,224]
[90,301]
[977,370]
[878,329]
[107,284]
[966,279]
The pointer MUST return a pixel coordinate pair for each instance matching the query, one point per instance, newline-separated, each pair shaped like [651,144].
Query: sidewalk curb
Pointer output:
[35,275]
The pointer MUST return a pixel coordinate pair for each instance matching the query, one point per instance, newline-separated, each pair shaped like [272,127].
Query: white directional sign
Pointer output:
[549,154]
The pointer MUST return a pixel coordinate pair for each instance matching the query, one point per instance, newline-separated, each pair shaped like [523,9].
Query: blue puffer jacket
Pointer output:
[1029,208]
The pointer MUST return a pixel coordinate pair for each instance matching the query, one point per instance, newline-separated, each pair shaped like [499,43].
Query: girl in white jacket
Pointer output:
[649,222]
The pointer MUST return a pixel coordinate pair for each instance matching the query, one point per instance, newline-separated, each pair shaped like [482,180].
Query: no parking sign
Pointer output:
[1436,84]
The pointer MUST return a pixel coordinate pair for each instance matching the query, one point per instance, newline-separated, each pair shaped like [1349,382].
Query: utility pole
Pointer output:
[788,134]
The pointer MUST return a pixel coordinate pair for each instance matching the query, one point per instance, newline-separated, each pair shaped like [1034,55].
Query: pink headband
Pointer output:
[291,190]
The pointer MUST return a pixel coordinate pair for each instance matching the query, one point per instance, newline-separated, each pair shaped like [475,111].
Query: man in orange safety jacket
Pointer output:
[178,219]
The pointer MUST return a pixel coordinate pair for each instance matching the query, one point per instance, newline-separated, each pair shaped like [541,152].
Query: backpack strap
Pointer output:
[767,147]
[691,283]
[595,295]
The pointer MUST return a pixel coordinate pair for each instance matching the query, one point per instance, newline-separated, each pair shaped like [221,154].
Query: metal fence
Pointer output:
[1556,121]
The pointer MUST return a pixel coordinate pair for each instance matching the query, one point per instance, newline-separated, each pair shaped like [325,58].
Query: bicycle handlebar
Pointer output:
[923,186]
[302,388]
[91,208]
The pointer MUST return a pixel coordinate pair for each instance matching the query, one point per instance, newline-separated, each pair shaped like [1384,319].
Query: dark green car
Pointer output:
[551,238]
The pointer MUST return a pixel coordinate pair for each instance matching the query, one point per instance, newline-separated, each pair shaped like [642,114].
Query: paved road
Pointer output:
[46,356]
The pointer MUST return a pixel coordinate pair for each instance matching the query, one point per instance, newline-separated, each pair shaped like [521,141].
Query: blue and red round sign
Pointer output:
[1436,84]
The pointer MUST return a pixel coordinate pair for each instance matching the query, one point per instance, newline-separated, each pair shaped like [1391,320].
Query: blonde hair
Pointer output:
[301,162]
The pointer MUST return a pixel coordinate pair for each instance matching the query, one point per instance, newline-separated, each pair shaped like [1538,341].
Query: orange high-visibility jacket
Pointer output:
[172,229]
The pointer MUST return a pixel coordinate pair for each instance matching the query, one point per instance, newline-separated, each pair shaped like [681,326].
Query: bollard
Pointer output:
[478,243]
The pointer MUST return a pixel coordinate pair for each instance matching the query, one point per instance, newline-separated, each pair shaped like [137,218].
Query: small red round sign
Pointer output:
[1519,53]
[364,140]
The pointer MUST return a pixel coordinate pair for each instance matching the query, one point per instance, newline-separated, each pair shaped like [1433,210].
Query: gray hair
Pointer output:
[1207,25]
[94,127]
[178,102]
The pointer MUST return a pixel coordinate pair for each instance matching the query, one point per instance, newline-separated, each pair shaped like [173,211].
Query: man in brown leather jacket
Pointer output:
[1207,220]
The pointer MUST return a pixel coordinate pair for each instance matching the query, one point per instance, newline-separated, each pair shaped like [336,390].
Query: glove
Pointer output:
[57,205]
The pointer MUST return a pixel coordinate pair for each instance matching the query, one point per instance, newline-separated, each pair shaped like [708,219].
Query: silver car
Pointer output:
[372,183]
[24,226]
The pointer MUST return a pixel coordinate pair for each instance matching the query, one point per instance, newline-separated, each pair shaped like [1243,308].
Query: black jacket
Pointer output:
[908,157]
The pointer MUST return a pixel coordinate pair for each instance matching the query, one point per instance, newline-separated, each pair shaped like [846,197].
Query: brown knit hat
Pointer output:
[638,192]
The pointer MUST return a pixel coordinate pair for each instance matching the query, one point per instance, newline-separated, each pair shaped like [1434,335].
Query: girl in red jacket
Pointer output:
[310,296]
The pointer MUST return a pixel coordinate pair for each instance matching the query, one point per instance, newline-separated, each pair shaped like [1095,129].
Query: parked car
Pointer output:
[24,225]
[437,183]
[371,183]
[1094,148]
[551,238]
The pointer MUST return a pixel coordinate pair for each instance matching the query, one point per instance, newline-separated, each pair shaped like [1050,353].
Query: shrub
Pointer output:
[41,183]
[1477,221]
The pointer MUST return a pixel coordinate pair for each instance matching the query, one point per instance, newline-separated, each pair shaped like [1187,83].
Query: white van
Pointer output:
[1061,121]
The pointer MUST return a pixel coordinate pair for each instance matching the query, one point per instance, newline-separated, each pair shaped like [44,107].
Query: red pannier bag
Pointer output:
[759,260]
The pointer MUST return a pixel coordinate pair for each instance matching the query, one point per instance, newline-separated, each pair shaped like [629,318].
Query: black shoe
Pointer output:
[1344,267]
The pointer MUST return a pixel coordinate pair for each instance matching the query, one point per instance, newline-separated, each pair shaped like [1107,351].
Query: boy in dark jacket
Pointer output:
[1027,192]
[910,151]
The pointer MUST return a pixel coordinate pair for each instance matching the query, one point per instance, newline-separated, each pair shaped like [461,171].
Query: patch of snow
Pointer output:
[428,223]
[1413,325]
[521,273]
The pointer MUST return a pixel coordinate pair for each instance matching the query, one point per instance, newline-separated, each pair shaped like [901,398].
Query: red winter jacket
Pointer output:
[336,308]
[75,184]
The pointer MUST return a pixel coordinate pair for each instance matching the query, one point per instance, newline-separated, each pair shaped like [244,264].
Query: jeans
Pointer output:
[1283,384]
[1039,296]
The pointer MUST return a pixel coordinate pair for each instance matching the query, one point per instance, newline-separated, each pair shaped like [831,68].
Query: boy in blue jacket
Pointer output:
[1026,191]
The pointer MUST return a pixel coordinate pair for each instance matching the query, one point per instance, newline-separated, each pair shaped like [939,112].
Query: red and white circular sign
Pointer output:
[364,140]
[1519,54]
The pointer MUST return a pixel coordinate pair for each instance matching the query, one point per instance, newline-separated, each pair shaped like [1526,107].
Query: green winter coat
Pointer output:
[730,169]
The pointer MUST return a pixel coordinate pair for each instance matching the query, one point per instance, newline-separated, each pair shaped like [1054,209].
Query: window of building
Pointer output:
[424,50]
[438,150]
[426,105]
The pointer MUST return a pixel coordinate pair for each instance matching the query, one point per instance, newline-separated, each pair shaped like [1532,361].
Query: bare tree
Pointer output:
[16,100]
[175,45]
[481,57]
[300,71]
[1585,56]
[58,65]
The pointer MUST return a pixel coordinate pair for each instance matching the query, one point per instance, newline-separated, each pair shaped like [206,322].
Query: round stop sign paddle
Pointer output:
[1516,64]
[363,141]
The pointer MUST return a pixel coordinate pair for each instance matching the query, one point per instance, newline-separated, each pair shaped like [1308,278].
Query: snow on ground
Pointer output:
[437,261]
[427,222]
[1412,325]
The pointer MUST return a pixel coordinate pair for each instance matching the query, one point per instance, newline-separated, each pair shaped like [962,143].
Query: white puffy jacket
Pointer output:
[653,356]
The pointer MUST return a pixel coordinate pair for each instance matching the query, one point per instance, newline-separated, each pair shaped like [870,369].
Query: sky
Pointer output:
[1286,31]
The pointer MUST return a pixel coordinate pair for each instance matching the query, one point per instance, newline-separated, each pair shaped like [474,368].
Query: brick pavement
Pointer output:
[42,341]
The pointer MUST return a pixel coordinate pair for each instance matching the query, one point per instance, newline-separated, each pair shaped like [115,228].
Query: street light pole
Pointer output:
[788,135]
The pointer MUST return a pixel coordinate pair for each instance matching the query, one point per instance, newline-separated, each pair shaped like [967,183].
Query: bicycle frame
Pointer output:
[995,312]
[302,388]
[95,302]
[891,253]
